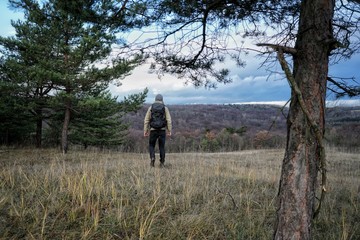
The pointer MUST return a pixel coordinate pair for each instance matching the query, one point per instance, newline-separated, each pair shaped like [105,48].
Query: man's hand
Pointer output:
[169,134]
[146,134]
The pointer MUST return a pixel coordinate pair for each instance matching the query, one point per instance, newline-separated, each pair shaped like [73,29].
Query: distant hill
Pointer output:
[255,117]
[191,120]
[217,117]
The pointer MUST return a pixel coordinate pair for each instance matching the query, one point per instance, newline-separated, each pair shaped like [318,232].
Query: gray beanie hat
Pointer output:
[158,97]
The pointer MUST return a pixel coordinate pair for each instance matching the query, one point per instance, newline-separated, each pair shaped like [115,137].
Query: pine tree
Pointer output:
[64,53]
[16,124]
[24,66]
[98,120]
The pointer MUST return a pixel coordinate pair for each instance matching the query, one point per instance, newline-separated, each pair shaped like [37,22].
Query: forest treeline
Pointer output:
[206,127]
[237,127]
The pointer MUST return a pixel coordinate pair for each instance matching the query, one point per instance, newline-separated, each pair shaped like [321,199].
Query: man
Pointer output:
[157,124]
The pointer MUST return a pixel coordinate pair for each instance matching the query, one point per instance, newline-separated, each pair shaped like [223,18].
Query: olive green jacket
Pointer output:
[147,127]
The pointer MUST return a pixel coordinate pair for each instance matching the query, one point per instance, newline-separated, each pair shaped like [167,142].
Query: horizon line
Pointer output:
[329,103]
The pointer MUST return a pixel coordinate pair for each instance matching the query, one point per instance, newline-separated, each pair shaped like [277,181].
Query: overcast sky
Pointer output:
[250,84]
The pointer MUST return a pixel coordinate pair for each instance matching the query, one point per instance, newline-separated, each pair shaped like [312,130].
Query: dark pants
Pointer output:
[159,135]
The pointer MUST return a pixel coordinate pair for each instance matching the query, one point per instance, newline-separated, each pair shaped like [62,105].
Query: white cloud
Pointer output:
[6,15]
[141,79]
[247,88]
[343,103]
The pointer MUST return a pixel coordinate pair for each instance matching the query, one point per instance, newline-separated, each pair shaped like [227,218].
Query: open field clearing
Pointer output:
[113,195]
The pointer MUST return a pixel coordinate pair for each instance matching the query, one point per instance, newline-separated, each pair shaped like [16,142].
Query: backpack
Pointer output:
[158,118]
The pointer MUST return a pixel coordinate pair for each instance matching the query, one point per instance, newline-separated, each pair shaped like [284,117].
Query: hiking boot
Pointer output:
[152,163]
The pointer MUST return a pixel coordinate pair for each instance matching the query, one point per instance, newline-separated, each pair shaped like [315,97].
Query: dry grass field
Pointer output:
[113,195]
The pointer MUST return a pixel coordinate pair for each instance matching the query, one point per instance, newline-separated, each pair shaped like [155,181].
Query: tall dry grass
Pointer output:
[92,195]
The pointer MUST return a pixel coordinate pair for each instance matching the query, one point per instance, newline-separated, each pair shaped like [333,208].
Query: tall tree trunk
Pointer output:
[65,130]
[298,182]
[64,134]
[7,137]
[39,120]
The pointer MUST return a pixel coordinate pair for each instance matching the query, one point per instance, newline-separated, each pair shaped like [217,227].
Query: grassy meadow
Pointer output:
[113,195]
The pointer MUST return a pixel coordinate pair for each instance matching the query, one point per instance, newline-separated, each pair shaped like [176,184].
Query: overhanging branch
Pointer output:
[204,24]
[278,48]
[346,90]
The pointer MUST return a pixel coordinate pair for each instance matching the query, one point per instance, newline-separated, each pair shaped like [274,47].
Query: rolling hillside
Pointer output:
[195,121]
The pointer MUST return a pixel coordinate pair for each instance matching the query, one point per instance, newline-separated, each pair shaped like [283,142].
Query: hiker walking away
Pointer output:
[157,124]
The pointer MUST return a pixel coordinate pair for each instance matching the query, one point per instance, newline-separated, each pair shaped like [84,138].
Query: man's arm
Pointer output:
[168,121]
[147,122]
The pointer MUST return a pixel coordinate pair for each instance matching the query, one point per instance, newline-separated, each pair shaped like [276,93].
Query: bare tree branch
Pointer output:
[277,48]
[121,9]
[347,90]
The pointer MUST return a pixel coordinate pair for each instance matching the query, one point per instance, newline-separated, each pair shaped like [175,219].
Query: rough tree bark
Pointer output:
[39,120]
[65,129]
[66,123]
[305,123]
